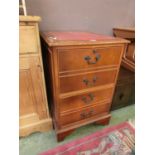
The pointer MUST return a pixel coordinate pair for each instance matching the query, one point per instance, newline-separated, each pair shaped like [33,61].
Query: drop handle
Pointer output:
[88,99]
[85,115]
[88,59]
[90,82]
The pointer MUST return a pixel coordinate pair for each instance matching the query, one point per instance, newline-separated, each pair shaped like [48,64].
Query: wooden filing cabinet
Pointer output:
[34,115]
[125,88]
[81,71]
[124,94]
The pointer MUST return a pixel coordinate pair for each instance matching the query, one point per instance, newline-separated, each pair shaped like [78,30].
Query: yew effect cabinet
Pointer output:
[81,72]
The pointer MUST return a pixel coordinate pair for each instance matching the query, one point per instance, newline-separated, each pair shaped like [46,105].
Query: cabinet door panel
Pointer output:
[27,98]
[32,99]
[28,42]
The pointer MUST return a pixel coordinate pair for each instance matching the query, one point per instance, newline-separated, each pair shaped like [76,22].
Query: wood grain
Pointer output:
[86,80]
[67,58]
[85,100]
[83,113]
[28,42]
[33,109]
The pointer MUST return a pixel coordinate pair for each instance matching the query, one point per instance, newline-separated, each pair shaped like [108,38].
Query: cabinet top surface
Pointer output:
[128,33]
[132,29]
[78,38]
[29,18]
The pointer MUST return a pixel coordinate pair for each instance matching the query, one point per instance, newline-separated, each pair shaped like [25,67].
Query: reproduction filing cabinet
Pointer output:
[81,71]
[34,114]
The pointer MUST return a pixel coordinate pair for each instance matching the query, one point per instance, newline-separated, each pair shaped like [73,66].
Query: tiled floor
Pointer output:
[39,142]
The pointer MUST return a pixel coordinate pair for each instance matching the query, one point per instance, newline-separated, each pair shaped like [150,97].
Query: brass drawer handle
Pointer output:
[90,83]
[88,58]
[88,99]
[87,114]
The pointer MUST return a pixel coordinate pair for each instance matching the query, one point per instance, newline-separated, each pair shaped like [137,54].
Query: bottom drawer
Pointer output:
[84,114]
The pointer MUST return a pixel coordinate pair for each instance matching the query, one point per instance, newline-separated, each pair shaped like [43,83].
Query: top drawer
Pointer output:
[84,58]
[28,39]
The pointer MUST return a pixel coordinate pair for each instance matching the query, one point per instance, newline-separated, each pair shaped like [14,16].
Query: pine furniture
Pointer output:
[34,115]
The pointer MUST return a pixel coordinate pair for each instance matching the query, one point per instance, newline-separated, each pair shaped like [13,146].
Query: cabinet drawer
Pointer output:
[84,114]
[28,39]
[77,59]
[122,96]
[85,100]
[86,80]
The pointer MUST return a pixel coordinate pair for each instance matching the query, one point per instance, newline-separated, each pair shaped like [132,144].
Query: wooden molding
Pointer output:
[40,126]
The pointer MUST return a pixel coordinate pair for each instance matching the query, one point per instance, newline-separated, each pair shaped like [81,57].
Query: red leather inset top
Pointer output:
[76,36]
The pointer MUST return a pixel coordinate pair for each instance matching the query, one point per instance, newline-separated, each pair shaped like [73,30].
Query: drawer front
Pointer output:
[28,42]
[86,80]
[84,114]
[122,96]
[85,100]
[77,59]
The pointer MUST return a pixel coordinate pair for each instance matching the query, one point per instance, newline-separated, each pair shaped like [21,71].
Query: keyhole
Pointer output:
[121,96]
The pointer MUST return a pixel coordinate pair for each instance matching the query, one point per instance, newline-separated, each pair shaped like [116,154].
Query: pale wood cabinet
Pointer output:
[33,112]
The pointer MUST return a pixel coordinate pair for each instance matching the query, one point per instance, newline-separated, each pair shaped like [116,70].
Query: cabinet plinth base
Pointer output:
[103,121]
[40,126]
[61,136]
[62,133]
